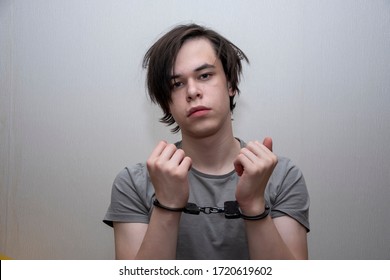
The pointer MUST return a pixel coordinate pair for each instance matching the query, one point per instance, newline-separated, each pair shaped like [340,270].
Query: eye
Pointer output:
[176,84]
[205,76]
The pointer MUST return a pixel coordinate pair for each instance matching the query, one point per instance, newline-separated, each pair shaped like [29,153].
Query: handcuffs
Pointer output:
[231,210]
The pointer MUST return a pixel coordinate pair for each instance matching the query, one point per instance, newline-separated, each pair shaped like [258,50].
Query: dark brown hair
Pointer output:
[160,59]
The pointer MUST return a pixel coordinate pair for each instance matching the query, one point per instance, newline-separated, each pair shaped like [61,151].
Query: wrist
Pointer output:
[170,201]
[253,208]
[259,216]
[166,207]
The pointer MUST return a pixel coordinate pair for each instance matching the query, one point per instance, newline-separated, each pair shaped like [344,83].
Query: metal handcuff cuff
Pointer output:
[231,210]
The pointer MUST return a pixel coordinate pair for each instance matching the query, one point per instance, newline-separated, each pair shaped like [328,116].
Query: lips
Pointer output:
[197,109]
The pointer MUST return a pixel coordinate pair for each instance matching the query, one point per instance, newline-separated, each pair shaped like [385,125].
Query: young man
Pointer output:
[193,74]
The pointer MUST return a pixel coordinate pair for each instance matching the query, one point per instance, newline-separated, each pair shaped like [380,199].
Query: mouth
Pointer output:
[198,111]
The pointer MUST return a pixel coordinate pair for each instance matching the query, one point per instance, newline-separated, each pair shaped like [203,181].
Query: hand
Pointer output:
[254,165]
[168,169]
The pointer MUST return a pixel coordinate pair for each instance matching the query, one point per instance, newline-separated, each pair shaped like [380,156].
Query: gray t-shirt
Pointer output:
[209,236]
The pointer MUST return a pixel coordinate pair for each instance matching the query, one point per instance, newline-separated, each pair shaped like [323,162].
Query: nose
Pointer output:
[193,90]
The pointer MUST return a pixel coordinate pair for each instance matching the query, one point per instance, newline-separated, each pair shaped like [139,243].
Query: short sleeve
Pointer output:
[131,197]
[288,193]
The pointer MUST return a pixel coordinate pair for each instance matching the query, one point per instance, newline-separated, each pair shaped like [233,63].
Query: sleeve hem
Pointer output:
[296,216]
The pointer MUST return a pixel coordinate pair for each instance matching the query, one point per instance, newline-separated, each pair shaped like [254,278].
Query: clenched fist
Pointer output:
[254,165]
[168,169]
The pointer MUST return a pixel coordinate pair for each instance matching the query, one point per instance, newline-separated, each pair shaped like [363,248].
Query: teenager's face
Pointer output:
[200,93]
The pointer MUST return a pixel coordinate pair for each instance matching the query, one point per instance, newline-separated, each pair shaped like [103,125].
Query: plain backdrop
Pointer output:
[74,111]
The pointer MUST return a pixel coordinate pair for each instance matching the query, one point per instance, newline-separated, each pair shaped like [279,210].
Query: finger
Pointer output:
[241,163]
[258,153]
[255,150]
[168,152]
[178,157]
[186,163]
[251,151]
[158,149]
[268,143]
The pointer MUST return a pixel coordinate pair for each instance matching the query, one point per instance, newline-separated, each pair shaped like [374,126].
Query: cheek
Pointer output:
[177,97]
[174,108]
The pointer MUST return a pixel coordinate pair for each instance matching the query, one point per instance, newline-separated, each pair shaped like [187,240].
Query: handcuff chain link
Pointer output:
[211,210]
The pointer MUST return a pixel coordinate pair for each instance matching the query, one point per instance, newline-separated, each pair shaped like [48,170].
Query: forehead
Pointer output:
[194,53]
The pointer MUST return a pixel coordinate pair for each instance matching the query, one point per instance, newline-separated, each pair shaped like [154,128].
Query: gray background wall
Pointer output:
[74,112]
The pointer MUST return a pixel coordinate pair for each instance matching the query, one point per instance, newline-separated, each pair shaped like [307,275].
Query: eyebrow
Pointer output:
[197,69]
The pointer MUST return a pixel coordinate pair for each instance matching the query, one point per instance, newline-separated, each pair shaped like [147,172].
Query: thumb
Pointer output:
[268,143]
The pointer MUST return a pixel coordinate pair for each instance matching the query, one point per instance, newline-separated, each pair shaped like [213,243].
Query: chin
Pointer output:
[202,131]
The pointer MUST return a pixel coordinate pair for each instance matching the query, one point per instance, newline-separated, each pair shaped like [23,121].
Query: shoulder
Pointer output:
[134,173]
[132,179]
[286,166]
[287,177]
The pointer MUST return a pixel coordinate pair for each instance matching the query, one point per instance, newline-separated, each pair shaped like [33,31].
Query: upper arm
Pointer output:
[294,236]
[128,239]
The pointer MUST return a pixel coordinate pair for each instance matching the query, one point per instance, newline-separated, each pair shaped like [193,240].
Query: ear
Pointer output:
[230,90]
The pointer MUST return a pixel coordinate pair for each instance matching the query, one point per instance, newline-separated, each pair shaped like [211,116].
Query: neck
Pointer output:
[212,155]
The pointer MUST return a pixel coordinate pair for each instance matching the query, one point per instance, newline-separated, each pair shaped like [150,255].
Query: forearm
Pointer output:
[160,240]
[264,240]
